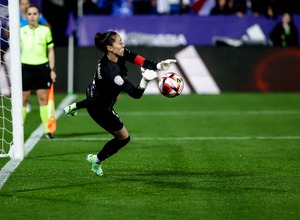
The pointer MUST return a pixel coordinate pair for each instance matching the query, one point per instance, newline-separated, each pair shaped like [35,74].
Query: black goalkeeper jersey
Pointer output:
[110,79]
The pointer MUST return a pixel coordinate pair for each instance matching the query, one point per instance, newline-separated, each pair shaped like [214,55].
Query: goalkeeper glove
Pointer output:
[148,75]
[165,64]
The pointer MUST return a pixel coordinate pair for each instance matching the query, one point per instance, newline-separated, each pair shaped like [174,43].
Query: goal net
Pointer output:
[11,118]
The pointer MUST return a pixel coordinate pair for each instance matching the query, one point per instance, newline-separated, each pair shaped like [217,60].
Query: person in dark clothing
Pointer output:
[109,80]
[222,7]
[285,33]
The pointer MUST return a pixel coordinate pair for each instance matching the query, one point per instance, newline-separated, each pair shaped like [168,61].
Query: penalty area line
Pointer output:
[185,138]
[30,143]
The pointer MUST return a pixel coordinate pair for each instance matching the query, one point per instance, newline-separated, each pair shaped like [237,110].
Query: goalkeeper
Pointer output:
[109,80]
[128,56]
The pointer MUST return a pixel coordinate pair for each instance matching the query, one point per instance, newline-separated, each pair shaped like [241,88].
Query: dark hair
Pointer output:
[33,6]
[104,39]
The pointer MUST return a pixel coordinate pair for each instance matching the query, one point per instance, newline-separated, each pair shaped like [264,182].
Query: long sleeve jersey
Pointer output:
[110,78]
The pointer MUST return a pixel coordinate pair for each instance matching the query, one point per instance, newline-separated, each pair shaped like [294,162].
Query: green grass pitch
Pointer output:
[229,156]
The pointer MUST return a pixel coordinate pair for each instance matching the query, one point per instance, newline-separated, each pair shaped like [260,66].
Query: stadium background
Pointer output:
[233,69]
[245,68]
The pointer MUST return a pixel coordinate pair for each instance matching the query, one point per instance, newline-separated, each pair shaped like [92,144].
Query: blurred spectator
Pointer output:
[172,7]
[97,7]
[104,7]
[141,7]
[267,8]
[241,7]
[272,9]
[285,33]
[154,6]
[185,6]
[162,7]
[222,7]
[258,7]
[122,7]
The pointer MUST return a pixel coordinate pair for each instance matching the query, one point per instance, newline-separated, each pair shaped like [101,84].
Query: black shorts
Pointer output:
[36,77]
[106,118]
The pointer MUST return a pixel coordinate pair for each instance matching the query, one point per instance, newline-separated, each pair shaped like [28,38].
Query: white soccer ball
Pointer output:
[171,85]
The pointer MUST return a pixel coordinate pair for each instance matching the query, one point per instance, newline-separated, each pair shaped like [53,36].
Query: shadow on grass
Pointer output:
[52,157]
[165,181]
[79,134]
[212,181]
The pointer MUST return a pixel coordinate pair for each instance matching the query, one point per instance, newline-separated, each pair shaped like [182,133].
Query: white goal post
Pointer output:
[14,130]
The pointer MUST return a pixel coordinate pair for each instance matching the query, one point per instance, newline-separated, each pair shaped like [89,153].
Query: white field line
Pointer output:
[186,138]
[195,113]
[38,133]
[12,164]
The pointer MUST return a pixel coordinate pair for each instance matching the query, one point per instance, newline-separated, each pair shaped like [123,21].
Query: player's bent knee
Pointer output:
[118,144]
[126,141]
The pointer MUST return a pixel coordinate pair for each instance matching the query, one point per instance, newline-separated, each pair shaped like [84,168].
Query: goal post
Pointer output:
[16,150]
[16,78]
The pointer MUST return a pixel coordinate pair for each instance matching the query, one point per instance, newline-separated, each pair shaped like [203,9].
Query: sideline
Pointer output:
[12,164]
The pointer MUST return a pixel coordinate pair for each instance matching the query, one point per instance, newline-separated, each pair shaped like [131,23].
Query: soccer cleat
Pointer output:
[71,109]
[49,136]
[96,167]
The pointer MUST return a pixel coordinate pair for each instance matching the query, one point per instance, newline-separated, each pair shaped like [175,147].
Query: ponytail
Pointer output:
[104,39]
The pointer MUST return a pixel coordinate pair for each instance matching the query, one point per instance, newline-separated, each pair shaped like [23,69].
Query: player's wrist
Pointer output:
[53,69]
[143,84]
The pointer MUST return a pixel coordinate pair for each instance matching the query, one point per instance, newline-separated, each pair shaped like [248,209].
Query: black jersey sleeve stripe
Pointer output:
[51,42]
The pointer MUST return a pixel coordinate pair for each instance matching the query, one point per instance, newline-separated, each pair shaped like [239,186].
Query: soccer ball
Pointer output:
[170,85]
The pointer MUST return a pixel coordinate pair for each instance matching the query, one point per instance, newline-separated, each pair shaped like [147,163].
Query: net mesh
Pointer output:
[5,88]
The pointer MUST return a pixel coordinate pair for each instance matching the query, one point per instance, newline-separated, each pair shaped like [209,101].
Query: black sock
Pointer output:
[112,147]
[81,104]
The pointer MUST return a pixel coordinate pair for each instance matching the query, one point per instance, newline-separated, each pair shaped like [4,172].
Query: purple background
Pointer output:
[198,30]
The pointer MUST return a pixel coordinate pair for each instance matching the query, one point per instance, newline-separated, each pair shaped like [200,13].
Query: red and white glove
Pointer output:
[148,75]
[165,64]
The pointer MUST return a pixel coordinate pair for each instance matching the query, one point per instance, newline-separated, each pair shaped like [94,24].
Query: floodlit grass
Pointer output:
[231,156]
